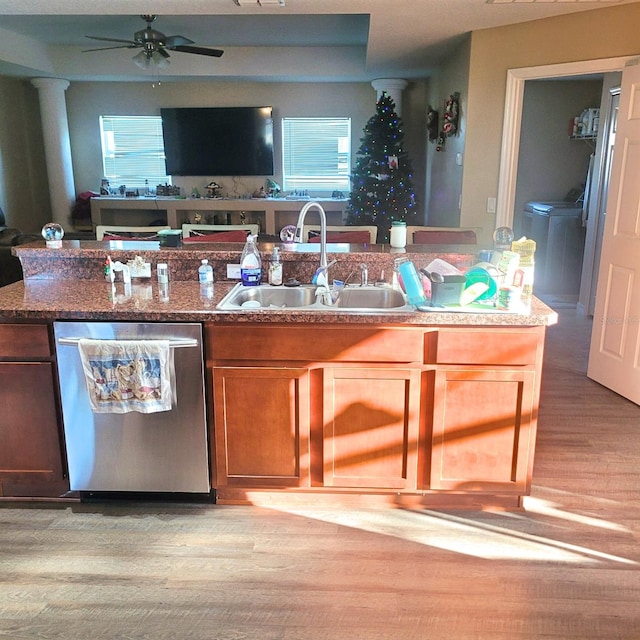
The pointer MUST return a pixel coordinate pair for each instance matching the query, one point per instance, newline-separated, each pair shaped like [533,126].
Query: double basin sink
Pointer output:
[370,298]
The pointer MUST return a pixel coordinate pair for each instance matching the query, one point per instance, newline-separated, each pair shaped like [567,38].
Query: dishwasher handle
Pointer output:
[174,343]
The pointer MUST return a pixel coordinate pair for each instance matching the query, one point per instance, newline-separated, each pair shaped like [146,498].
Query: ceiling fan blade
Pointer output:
[121,46]
[216,53]
[130,42]
[175,41]
[163,52]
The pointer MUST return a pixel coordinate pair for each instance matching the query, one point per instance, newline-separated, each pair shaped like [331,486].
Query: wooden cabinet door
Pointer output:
[261,426]
[483,430]
[371,426]
[31,462]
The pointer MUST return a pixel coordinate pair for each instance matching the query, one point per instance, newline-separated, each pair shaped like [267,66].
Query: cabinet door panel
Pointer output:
[371,426]
[261,426]
[30,451]
[24,341]
[483,429]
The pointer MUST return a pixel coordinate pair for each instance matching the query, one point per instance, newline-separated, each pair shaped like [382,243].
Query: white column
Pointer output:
[393,87]
[57,147]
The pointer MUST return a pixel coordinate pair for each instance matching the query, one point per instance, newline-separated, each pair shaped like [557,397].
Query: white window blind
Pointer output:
[133,151]
[316,154]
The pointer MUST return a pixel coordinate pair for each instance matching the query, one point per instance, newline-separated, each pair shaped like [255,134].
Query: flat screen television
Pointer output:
[218,141]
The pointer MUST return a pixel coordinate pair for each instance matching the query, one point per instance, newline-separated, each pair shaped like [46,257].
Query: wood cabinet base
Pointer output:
[382,416]
[355,499]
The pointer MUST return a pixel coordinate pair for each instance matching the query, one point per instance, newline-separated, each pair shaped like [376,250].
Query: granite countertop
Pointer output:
[41,299]
[68,284]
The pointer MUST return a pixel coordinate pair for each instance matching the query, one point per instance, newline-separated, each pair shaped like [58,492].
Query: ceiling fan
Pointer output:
[155,46]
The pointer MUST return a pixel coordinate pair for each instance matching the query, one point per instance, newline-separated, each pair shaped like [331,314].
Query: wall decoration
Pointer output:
[450,119]
[433,121]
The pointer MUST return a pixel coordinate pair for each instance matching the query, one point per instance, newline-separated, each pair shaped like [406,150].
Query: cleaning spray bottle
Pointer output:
[250,263]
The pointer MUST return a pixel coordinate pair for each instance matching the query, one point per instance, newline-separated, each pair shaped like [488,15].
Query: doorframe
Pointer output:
[514,98]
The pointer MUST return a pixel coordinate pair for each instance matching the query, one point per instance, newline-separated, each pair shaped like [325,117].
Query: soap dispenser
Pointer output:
[250,263]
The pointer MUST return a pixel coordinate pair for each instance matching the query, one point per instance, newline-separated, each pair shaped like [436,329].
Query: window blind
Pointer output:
[133,151]
[316,154]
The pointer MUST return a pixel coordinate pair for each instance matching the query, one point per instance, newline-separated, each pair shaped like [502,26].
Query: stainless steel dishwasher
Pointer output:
[155,452]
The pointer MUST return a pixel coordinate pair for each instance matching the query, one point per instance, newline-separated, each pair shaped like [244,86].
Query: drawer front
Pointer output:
[488,346]
[315,343]
[25,341]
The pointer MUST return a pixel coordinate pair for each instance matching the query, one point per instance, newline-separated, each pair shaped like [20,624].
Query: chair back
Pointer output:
[118,232]
[189,230]
[343,233]
[440,235]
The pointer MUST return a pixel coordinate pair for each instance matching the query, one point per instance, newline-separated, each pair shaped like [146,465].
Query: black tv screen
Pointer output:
[218,141]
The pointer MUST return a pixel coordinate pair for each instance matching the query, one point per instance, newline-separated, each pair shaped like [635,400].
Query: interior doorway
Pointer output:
[553,172]
[514,101]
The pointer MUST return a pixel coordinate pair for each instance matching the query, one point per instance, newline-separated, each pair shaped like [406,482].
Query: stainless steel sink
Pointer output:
[303,298]
[268,297]
[370,298]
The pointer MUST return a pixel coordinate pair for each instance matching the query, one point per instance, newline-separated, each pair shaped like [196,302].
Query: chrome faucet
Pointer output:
[323,230]
[364,275]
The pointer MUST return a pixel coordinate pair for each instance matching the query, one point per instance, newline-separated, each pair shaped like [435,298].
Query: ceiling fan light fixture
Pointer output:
[150,60]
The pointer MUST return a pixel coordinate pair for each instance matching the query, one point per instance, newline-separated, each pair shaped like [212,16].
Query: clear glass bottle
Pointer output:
[275,268]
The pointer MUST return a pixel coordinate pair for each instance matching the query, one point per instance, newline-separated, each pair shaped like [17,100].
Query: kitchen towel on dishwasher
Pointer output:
[128,375]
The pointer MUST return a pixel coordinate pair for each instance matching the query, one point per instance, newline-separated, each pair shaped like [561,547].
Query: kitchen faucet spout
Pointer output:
[323,230]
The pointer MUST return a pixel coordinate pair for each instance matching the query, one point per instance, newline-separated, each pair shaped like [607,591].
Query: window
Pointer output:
[316,154]
[133,151]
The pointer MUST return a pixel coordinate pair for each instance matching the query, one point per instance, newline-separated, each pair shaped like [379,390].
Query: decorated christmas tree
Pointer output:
[381,187]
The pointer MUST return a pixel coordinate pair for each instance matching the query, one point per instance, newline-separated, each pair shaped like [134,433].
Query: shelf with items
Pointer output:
[586,125]
[270,213]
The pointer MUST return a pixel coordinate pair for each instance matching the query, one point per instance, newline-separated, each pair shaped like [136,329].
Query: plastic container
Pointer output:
[275,268]
[163,272]
[398,236]
[250,263]
[205,272]
[527,250]
[478,274]
[411,283]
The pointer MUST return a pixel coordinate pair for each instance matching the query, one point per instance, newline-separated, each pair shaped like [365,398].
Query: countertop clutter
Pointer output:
[182,301]
[69,283]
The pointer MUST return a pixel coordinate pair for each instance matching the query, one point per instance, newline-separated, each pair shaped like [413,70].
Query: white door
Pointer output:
[614,356]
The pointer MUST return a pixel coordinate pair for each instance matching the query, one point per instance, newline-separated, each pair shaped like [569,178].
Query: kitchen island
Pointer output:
[339,407]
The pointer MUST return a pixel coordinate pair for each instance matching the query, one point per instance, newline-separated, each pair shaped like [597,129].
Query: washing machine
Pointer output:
[557,228]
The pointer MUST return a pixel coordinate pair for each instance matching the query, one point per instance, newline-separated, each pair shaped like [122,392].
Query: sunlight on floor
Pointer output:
[461,534]
[544,507]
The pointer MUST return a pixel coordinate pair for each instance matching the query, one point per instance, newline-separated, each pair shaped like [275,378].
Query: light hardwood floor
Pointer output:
[568,567]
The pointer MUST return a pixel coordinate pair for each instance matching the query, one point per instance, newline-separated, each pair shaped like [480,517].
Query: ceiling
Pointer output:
[306,40]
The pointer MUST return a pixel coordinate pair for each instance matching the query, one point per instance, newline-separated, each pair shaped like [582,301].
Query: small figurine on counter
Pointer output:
[273,188]
[213,190]
[259,193]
